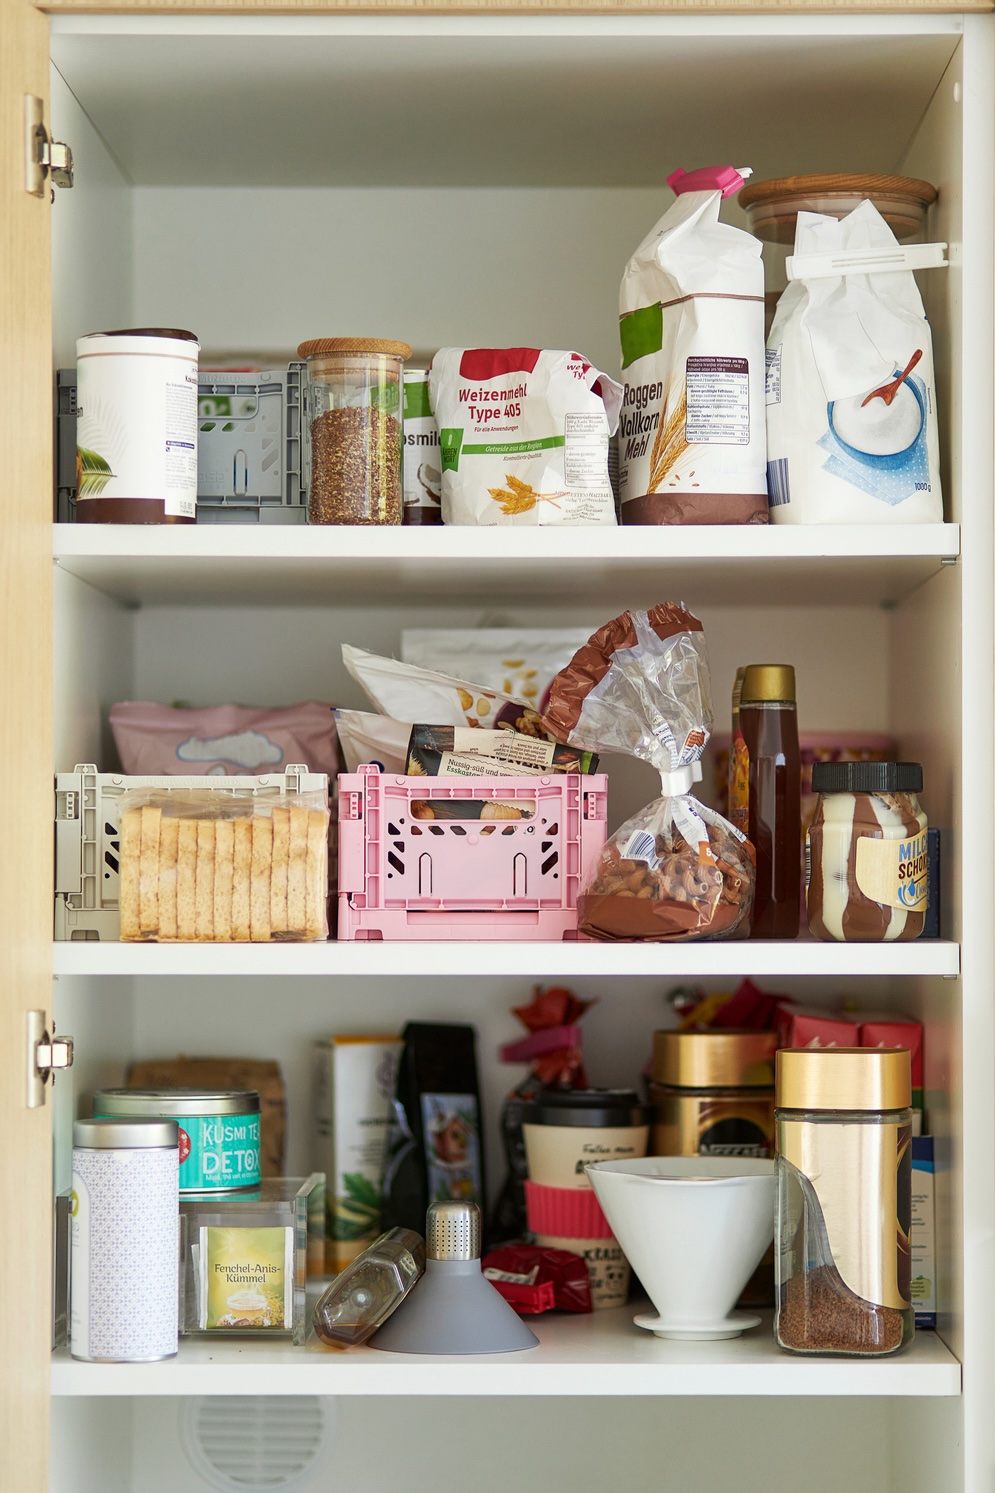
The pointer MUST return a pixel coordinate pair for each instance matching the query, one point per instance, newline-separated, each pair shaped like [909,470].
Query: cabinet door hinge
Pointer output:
[45,1054]
[43,158]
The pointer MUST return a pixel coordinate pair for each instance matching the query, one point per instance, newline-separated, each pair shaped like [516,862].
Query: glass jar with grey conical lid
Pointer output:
[844,1201]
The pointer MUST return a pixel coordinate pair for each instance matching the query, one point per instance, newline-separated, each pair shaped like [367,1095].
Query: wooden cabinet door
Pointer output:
[25,757]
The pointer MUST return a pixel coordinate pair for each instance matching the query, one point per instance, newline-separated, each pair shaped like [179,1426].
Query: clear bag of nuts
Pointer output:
[354,398]
[676,870]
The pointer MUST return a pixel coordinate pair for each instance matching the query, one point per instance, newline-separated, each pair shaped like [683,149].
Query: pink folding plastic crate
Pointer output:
[446,858]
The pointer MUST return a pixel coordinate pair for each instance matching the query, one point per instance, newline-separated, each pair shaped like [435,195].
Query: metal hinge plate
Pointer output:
[45,1055]
[43,158]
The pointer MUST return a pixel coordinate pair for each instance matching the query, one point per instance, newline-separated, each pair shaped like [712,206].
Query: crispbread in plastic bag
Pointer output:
[222,867]
[676,870]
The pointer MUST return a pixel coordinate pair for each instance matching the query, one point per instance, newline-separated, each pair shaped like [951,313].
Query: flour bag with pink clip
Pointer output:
[851,402]
[676,870]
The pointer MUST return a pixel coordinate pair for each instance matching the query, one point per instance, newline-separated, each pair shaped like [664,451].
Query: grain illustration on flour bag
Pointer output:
[524,436]
[692,441]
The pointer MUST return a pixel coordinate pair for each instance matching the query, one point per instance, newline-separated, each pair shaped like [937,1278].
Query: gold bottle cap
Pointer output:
[720,1059]
[862,1078]
[768,682]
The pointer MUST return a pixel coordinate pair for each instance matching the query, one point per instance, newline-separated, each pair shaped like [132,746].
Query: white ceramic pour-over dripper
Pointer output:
[693,1228]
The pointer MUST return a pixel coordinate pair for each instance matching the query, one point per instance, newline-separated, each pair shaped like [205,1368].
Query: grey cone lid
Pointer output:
[454,1309]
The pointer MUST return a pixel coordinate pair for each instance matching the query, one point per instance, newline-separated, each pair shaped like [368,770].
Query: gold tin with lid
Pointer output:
[713,1093]
[843,1078]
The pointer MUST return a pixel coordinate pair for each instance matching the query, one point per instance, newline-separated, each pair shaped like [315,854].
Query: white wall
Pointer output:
[259,270]
[91,233]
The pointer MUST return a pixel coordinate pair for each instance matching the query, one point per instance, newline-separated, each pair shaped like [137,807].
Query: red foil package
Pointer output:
[552,1049]
[533,1278]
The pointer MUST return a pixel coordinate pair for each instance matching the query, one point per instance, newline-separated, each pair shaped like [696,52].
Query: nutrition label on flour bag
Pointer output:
[585,449]
[718,402]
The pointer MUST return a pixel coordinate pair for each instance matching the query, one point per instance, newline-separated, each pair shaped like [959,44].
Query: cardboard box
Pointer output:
[923,1232]
[899,1031]
[354,1080]
[802,1026]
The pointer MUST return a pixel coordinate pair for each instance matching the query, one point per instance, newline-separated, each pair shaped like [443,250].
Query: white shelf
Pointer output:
[599,1355]
[803,956]
[616,567]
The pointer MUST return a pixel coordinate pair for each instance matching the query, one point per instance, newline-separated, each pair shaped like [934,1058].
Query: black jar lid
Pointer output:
[867,777]
[604,1107]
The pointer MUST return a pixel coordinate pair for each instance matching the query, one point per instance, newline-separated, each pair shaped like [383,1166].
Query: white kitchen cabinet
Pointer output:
[262,179]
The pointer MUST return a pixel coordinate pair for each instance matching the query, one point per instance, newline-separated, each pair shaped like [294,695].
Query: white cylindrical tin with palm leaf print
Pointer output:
[136,426]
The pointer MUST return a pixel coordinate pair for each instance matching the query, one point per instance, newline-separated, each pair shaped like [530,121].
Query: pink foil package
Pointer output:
[223,740]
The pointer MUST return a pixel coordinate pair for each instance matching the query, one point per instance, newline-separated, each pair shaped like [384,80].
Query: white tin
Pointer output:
[136,407]
[124,1253]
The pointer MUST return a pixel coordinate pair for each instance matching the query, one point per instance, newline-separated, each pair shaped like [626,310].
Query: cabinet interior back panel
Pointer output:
[255,271]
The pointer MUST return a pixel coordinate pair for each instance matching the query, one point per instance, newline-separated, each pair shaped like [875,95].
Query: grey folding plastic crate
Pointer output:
[88,837]
[250,455]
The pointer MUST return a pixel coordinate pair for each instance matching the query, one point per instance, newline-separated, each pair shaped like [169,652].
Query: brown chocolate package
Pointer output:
[260,1074]
[565,718]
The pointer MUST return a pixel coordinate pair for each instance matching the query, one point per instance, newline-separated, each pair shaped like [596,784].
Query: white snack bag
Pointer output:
[407,693]
[839,452]
[518,661]
[691,433]
[524,436]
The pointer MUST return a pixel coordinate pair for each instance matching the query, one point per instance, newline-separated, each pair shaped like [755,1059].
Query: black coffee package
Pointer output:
[434,1149]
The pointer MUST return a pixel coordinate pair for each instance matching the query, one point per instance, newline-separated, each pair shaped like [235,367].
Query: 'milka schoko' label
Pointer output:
[894,872]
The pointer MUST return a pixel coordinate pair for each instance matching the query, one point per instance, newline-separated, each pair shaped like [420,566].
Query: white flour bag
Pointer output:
[851,404]
[524,436]
[691,434]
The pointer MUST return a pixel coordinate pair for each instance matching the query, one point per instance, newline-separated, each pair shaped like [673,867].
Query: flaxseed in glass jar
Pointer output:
[354,410]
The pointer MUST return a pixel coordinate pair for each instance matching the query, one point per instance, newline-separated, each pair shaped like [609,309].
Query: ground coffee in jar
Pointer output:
[844,1200]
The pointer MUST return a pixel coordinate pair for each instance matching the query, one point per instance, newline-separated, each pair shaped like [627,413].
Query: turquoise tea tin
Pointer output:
[219,1131]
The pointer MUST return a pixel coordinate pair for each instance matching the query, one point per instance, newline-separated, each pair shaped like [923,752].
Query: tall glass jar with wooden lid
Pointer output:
[354,404]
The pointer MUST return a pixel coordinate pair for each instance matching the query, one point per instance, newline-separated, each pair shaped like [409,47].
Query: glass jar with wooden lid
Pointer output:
[772,208]
[354,408]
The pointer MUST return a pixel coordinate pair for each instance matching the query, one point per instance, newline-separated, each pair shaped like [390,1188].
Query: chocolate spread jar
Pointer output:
[866,858]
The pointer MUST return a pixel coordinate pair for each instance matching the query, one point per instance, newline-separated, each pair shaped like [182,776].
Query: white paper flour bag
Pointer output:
[691,434]
[524,436]
[851,404]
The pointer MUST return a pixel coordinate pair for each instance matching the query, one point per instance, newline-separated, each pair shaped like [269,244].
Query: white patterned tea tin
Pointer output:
[219,1131]
[124,1274]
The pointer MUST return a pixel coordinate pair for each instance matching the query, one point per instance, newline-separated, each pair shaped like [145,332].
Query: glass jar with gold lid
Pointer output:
[844,1201]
